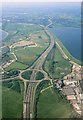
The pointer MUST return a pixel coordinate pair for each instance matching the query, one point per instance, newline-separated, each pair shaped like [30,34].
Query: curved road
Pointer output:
[28,105]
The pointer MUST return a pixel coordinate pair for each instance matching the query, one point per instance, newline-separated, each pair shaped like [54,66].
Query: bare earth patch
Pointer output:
[24,43]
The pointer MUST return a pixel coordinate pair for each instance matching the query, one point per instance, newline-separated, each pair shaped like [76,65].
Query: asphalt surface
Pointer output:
[28,104]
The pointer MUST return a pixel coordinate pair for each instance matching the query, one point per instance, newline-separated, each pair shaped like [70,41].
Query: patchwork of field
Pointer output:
[27,42]
[18,32]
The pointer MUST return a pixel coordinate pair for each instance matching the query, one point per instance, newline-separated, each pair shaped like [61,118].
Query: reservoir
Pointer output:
[71,39]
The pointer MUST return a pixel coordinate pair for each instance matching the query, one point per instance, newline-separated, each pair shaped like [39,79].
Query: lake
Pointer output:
[71,39]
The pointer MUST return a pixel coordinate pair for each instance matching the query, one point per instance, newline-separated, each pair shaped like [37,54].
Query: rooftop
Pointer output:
[68,91]
[71,97]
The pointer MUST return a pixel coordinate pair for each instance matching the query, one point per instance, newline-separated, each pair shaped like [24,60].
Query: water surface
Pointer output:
[71,38]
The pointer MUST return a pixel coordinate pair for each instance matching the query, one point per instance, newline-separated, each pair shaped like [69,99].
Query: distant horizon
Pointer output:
[41,3]
[33,5]
[28,1]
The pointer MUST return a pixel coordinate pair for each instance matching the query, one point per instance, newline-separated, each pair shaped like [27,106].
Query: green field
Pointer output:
[12,104]
[42,85]
[55,65]
[28,55]
[51,105]
[19,31]
[16,65]
[40,38]
[12,99]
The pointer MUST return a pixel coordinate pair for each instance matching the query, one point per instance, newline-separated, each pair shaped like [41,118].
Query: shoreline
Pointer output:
[64,50]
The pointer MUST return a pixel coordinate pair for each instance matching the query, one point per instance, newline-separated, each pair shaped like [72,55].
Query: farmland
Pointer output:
[24,33]
[19,31]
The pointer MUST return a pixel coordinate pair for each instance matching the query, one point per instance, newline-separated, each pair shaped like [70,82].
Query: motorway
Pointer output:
[29,93]
[28,104]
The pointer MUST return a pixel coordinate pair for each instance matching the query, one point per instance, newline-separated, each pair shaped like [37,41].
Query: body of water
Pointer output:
[71,39]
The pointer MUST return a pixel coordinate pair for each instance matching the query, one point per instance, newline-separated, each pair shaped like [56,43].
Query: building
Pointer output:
[71,83]
[68,91]
[71,97]
[76,106]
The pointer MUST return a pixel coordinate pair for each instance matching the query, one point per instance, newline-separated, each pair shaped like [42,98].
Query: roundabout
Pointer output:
[26,75]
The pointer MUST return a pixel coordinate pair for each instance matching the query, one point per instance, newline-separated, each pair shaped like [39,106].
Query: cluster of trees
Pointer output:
[39,76]
[11,73]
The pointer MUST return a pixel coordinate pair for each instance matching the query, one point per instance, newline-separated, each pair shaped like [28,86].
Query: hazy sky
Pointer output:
[41,0]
